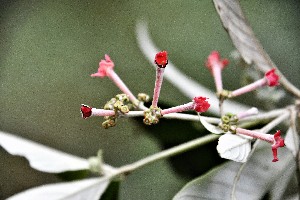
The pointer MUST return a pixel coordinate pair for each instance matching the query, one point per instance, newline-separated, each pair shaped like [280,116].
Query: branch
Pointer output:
[127,169]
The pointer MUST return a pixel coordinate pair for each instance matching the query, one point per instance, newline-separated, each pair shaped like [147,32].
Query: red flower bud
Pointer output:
[86,111]
[272,78]
[161,59]
[201,104]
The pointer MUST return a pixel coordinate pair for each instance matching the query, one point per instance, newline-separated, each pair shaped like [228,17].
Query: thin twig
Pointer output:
[127,169]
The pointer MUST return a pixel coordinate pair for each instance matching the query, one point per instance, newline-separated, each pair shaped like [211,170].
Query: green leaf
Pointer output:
[257,177]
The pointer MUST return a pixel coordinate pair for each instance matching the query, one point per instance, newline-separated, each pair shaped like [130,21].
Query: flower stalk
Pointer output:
[199,104]
[161,60]
[247,113]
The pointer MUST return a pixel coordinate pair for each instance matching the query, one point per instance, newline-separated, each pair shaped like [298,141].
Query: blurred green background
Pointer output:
[49,49]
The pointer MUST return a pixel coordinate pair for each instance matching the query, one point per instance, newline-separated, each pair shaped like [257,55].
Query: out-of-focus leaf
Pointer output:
[211,128]
[112,191]
[180,80]
[287,187]
[40,157]
[91,189]
[241,33]
[234,147]
[244,39]
[292,141]
[257,177]
[73,175]
[43,158]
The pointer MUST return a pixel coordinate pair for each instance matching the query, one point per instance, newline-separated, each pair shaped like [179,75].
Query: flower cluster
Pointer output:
[115,108]
[229,122]
[128,105]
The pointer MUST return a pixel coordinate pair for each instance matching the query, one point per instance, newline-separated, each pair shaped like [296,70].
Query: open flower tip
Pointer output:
[272,78]
[201,104]
[104,67]
[214,59]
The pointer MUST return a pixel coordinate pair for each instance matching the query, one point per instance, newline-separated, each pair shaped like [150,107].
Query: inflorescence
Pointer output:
[127,104]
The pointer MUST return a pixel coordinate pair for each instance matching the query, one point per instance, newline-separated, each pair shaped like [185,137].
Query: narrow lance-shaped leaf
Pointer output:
[292,140]
[91,189]
[44,158]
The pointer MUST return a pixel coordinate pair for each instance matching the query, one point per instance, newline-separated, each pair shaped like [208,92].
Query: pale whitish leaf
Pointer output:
[44,158]
[183,83]
[40,157]
[211,128]
[91,189]
[245,41]
[287,187]
[257,178]
[234,147]
[292,141]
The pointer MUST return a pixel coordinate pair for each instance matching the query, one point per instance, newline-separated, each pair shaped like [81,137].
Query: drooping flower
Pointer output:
[272,78]
[278,142]
[161,59]
[104,67]
[201,104]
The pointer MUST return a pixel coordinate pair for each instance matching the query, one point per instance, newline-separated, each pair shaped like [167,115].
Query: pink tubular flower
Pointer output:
[201,104]
[87,111]
[104,67]
[161,59]
[215,65]
[214,59]
[276,140]
[272,78]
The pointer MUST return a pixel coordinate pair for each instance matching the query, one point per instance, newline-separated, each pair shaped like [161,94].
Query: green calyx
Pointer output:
[229,122]
[224,94]
[120,104]
[152,115]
